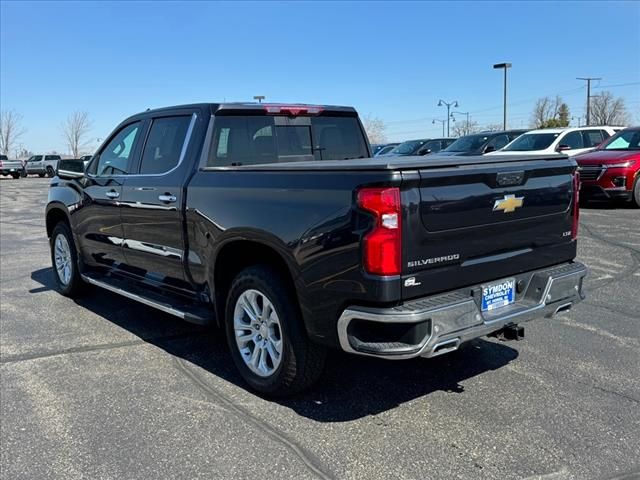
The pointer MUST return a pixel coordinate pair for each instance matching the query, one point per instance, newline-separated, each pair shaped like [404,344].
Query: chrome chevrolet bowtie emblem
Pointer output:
[508,204]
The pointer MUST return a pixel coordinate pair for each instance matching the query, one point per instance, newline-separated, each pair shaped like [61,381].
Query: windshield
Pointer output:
[531,141]
[408,147]
[249,140]
[470,143]
[625,140]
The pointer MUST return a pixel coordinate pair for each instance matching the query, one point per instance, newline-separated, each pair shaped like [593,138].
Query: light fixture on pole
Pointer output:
[259,98]
[453,104]
[442,122]
[466,127]
[505,66]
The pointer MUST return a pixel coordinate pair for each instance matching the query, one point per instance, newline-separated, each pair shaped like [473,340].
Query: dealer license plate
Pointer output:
[498,294]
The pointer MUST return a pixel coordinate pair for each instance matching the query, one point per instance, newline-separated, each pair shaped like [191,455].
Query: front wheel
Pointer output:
[268,342]
[635,198]
[64,258]
[41,175]
[15,176]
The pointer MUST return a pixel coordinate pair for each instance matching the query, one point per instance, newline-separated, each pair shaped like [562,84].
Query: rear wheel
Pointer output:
[268,343]
[64,258]
[41,175]
[50,172]
[15,175]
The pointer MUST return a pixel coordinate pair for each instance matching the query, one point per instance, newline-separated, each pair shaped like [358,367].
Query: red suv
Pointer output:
[613,169]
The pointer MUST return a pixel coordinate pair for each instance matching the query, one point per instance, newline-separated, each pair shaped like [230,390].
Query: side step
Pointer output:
[146,296]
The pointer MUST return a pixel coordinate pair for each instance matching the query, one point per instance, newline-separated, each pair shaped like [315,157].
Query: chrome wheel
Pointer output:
[258,333]
[62,256]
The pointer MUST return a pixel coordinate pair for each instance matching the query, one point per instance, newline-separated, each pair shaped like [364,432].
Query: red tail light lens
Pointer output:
[576,205]
[383,244]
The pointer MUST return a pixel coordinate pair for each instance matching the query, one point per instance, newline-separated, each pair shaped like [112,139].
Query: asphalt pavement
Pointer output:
[104,388]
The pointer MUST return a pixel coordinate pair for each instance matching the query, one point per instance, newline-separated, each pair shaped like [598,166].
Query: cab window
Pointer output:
[164,144]
[114,158]
[573,140]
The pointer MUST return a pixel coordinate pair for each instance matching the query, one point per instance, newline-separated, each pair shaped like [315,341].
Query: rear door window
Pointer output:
[52,157]
[498,142]
[164,144]
[592,138]
[573,140]
[250,140]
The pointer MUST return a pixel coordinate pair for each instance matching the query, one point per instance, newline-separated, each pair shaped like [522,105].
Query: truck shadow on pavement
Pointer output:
[351,387]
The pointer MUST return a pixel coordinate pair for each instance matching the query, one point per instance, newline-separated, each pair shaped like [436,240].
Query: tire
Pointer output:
[50,172]
[299,363]
[15,176]
[69,284]
[41,175]
[635,196]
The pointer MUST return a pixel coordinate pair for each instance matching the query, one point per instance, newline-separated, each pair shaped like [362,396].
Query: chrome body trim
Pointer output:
[146,301]
[456,316]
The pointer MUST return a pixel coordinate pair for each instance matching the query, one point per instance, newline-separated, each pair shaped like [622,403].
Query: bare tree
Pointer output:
[375,129]
[608,110]
[465,127]
[10,130]
[545,111]
[75,130]
[492,127]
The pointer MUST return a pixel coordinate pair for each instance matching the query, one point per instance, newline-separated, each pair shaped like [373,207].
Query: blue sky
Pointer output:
[391,60]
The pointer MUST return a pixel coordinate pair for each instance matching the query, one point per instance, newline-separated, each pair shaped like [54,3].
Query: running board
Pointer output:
[192,315]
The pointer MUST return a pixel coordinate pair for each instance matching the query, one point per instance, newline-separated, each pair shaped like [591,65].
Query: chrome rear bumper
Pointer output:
[439,324]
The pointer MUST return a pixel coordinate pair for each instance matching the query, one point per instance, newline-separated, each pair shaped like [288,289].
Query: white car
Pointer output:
[570,141]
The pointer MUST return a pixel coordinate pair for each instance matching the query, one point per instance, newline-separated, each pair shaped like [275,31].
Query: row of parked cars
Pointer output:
[608,157]
[41,165]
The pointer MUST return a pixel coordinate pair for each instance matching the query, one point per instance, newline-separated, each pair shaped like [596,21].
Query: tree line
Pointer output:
[75,131]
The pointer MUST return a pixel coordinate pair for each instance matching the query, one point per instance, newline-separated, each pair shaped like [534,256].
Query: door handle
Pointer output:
[112,194]
[167,198]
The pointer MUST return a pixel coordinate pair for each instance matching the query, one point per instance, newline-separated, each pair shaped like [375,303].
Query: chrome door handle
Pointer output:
[167,198]
[112,194]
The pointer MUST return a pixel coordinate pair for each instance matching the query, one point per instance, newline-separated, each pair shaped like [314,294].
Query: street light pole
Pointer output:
[588,80]
[259,98]
[448,105]
[442,122]
[466,128]
[505,66]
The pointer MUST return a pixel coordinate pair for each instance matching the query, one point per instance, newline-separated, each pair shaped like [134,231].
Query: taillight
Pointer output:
[576,205]
[382,245]
[292,110]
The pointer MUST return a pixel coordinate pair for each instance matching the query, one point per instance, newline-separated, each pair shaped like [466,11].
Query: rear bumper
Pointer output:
[438,324]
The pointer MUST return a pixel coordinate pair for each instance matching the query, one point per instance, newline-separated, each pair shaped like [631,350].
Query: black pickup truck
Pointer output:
[272,222]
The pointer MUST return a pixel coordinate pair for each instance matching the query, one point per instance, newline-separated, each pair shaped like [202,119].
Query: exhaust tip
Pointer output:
[445,347]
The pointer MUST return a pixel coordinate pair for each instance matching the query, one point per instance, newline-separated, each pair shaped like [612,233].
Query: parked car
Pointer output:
[42,165]
[569,141]
[612,170]
[419,147]
[384,149]
[11,167]
[297,242]
[481,143]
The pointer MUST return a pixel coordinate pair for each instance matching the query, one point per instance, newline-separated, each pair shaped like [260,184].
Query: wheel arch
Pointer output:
[236,255]
[56,212]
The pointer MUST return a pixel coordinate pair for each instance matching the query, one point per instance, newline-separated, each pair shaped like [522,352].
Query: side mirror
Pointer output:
[489,149]
[562,148]
[72,168]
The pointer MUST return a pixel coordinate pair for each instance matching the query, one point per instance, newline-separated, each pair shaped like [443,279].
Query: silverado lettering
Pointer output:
[273,222]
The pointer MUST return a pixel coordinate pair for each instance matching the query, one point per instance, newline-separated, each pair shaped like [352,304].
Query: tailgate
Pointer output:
[474,223]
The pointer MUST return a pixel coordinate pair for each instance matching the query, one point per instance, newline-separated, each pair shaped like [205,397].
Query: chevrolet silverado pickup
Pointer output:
[42,165]
[273,223]
[11,167]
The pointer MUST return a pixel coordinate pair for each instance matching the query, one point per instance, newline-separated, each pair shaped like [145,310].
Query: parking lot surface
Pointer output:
[104,388]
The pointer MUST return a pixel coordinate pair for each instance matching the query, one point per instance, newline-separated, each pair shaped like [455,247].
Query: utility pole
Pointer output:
[505,66]
[588,80]
[448,105]
[578,119]
[442,122]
